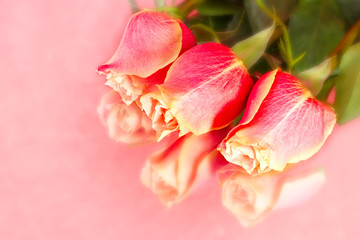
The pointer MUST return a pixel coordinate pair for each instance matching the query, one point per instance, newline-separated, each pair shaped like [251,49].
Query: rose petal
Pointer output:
[206,88]
[251,198]
[163,122]
[151,41]
[281,124]
[172,172]
[125,123]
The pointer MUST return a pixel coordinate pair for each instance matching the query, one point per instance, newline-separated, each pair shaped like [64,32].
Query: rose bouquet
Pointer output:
[248,90]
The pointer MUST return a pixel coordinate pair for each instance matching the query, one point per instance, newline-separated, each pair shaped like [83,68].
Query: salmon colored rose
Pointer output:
[251,198]
[125,123]
[172,172]
[206,88]
[163,122]
[152,40]
[282,123]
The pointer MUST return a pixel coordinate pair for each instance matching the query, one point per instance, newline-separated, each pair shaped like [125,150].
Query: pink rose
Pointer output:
[125,123]
[172,172]
[283,123]
[152,40]
[163,122]
[206,88]
[251,198]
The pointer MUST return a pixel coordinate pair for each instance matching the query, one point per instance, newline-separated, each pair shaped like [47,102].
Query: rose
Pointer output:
[152,40]
[251,198]
[172,172]
[163,122]
[282,123]
[125,123]
[206,88]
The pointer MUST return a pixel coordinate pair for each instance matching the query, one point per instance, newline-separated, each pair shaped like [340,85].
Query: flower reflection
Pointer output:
[251,198]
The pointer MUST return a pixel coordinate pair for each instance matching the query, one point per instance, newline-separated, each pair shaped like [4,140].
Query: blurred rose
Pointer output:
[251,198]
[163,122]
[152,40]
[283,123]
[125,123]
[206,88]
[172,172]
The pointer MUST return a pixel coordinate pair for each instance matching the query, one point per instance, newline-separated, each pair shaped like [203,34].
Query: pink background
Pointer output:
[61,177]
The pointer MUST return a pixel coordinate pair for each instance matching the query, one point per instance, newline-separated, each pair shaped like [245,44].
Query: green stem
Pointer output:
[347,40]
[287,43]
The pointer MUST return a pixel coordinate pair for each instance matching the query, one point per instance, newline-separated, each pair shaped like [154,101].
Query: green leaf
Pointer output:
[347,85]
[350,10]
[315,77]
[259,20]
[252,48]
[315,28]
[219,7]
[185,7]
[233,27]
[204,33]
[238,119]
[328,86]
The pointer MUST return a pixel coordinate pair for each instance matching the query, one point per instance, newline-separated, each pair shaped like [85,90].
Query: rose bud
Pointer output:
[125,123]
[172,172]
[206,88]
[251,198]
[163,122]
[282,123]
[151,41]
